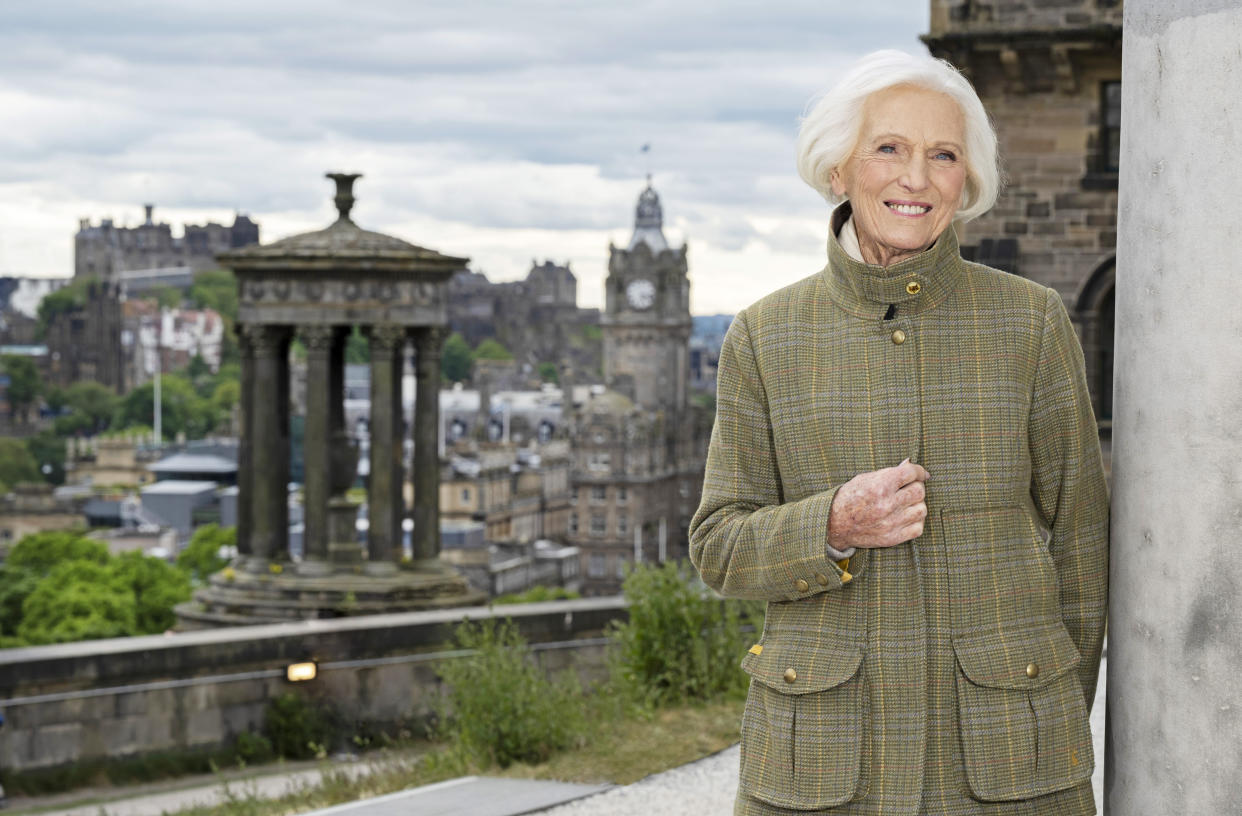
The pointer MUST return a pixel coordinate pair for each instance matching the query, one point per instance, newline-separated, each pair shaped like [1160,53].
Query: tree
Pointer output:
[182,409]
[166,296]
[48,451]
[157,587]
[39,552]
[456,359]
[490,349]
[78,600]
[16,464]
[548,373]
[357,348]
[226,395]
[202,556]
[16,584]
[24,382]
[91,408]
[68,298]
[216,289]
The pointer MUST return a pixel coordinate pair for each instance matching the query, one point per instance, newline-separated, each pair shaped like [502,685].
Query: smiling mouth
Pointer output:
[907,209]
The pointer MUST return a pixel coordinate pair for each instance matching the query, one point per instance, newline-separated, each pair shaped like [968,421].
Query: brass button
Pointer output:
[1032,670]
[801,585]
[790,675]
[914,287]
[822,579]
[899,337]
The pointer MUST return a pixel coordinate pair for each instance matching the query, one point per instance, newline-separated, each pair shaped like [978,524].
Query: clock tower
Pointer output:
[646,321]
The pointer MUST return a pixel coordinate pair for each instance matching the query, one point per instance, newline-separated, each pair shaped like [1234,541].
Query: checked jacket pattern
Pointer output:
[952,675]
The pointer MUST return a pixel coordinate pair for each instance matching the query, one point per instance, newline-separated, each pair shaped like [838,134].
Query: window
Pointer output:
[622,495]
[573,495]
[599,461]
[599,525]
[596,566]
[623,524]
[599,493]
[1110,127]
[1103,164]
[621,566]
[573,524]
[465,494]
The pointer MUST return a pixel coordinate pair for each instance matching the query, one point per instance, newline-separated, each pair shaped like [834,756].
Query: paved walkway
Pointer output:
[701,788]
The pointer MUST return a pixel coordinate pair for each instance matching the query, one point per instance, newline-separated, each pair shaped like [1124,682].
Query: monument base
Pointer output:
[237,598]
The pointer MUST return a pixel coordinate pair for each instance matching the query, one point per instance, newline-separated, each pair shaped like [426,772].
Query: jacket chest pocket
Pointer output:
[1022,715]
[805,730]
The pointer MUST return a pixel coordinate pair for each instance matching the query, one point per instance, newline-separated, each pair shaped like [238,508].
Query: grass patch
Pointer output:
[638,747]
[622,753]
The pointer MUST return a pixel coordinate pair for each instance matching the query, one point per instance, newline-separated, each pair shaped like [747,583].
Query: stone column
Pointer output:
[245,476]
[317,446]
[1174,686]
[384,494]
[428,342]
[268,435]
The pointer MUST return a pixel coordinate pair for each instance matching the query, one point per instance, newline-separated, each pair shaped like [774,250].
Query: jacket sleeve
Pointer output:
[1068,487]
[745,539]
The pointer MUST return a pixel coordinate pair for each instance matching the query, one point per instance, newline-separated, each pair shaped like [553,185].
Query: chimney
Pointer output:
[149,208]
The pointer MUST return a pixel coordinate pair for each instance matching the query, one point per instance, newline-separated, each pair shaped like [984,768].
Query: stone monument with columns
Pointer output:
[317,287]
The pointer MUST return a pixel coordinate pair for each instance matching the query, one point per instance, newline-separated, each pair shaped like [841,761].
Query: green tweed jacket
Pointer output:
[953,674]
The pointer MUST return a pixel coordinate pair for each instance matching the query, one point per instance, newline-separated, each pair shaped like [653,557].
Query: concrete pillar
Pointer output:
[384,494]
[268,434]
[317,446]
[426,444]
[245,479]
[1174,686]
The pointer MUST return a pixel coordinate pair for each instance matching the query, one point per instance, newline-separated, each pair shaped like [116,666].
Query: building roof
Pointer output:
[194,463]
[649,221]
[178,487]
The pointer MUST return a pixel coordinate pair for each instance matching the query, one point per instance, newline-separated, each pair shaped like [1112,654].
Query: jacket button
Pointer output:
[914,287]
[899,337]
[801,585]
[791,676]
[821,579]
[1032,670]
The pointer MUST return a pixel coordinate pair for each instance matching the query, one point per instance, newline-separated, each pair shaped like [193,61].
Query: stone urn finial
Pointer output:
[344,192]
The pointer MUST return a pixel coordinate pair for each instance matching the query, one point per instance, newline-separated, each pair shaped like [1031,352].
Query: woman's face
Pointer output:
[904,179]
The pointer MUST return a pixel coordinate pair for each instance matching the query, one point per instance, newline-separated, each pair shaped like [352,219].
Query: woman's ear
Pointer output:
[838,185]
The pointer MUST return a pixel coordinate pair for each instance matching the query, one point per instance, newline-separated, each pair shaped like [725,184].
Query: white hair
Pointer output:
[830,131]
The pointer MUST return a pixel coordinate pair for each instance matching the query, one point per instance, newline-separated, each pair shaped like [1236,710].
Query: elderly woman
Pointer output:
[906,468]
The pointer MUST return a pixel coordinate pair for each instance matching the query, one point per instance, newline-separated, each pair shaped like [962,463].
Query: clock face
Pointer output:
[640,293]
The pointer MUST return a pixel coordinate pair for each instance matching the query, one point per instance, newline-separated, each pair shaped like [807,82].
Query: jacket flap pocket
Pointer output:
[1025,659]
[803,669]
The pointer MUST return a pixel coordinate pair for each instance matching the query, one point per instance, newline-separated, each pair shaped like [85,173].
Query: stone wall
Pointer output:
[198,690]
[1051,15]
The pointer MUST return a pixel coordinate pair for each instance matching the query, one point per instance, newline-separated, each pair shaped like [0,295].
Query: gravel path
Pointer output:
[702,788]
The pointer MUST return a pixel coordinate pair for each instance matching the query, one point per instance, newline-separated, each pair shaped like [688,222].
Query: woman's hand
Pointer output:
[879,508]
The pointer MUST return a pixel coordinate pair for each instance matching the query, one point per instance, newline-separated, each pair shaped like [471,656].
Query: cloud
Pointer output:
[492,127]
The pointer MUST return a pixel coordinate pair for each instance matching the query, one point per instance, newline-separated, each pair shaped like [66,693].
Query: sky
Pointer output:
[506,132]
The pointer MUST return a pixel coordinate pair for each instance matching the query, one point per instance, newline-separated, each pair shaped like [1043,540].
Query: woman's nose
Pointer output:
[914,175]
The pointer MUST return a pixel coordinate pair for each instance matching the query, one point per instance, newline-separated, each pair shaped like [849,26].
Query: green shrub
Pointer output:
[157,588]
[78,600]
[536,594]
[201,557]
[500,706]
[682,641]
[298,728]
[253,748]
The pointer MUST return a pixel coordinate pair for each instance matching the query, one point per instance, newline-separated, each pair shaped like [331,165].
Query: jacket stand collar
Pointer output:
[913,285]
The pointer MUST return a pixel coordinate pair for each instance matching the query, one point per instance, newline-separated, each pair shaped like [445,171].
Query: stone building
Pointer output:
[86,343]
[33,508]
[639,445]
[1049,74]
[106,251]
[536,319]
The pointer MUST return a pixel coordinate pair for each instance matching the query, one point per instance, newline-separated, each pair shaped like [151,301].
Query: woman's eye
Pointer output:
[946,155]
[888,148]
